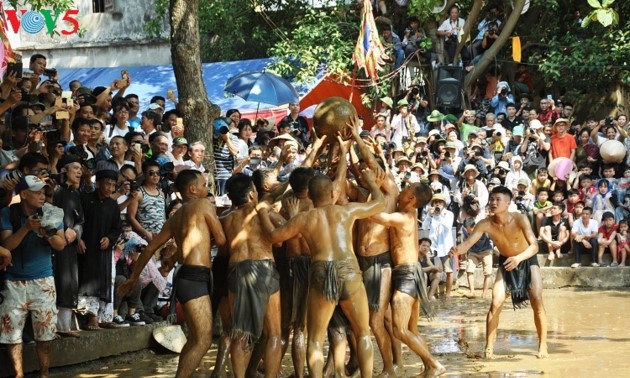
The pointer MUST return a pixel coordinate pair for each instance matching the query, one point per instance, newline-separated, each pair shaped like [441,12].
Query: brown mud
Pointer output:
[589,336]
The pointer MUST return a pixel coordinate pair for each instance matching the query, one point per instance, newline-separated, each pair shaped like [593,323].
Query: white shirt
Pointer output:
[580,229]
[108,133]
[191,164]
[401,128]
[449,25]
[440,232]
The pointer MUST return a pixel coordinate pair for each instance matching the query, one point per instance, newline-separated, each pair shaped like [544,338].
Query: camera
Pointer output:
[59,178]
[50,72]
[447,154]
[15,174]
[425,153]
[90,163]
[492,32]
[407,175]
[437,210]
[415,91]
[134,185]
[256,160]
[504,91]
[608,120]
[27,97]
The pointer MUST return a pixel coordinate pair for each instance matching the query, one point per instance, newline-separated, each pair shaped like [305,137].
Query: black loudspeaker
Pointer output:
[449,86]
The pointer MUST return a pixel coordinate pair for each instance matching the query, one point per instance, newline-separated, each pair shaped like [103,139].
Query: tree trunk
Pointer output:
[489,55]
[194,106]
[472,20]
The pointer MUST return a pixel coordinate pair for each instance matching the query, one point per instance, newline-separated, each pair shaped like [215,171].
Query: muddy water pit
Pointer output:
[588,336]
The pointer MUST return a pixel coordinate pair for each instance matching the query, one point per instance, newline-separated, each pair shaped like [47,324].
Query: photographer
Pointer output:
[418,106]
[473,156]
[502,97]
[439,222]
[128,187]
[30,285]
[523,199]
[298,124]
[404,124]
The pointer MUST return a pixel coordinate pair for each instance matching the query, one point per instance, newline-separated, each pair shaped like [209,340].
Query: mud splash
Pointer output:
[588,337]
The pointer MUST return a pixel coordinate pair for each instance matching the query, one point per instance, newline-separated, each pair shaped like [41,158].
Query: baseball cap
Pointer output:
[30,182]
[155,106]
[180,141]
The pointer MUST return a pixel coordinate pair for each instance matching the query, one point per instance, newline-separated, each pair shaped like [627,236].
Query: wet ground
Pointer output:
[589,336]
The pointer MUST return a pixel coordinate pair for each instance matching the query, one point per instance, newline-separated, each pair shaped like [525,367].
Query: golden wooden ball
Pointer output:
[331,116]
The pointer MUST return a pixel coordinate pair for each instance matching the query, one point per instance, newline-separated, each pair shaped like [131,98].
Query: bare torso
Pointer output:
[192,233]
[373,238]
[404,241]
[509,237]
[245,238]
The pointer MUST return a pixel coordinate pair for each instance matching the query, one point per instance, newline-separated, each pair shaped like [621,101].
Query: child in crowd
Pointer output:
[602,201]
[555,232]
[541,181]
[541,207]
[622,242]
[576,213]
[573,197]
[607,239]
[587,190]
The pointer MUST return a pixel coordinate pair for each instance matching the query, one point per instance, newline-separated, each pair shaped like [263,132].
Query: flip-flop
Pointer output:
[551,257]
[69,334]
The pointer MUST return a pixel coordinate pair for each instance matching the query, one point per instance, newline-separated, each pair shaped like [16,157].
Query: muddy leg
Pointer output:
[377,323]
[492,319]
[540,316]
[224,340]
[317,323]
[198,314]
[356,310]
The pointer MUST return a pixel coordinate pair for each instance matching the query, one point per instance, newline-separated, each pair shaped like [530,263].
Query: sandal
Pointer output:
[69,334]
[92,324]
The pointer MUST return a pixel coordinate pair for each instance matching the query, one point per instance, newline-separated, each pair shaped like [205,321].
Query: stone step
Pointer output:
[90,346]
[559,277]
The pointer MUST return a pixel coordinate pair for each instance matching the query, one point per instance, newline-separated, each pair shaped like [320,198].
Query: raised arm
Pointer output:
[342,169]
[276,235]
[374,206]
[318,143]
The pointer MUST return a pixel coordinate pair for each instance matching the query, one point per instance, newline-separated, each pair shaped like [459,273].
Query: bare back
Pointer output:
[297,246]
[327,232]
[246,239]
[191,227]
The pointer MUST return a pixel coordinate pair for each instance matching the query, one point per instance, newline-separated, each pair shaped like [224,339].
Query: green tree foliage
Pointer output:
[586,60]
[39,4]
[322,37]
[237,29]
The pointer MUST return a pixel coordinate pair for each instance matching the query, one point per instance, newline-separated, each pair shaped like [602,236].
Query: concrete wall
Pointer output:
[110,39]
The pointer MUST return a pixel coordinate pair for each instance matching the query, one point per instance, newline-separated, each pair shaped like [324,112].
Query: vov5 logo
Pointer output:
[33,22]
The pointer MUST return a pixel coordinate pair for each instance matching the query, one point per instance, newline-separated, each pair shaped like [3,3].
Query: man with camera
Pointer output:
[298,124]
[503,97]
[473,156]
[30,286]
[439,222]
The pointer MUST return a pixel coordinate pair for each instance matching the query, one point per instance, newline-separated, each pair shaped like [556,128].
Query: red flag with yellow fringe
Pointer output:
[369,52]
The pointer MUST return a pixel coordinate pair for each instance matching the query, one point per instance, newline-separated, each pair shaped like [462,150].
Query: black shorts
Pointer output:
[192,282]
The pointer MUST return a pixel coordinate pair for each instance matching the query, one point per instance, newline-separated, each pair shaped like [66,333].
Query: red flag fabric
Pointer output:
[369,51]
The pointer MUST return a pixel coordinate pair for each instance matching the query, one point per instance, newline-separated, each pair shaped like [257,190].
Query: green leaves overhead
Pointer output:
[602,13]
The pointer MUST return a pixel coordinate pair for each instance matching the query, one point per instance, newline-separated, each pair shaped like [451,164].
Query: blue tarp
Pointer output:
[149,81]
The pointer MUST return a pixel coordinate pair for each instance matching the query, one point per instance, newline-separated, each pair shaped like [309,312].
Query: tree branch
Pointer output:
[489,55]
[472,19]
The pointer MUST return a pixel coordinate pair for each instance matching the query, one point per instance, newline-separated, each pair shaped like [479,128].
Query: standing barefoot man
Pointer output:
[408,280]
[335,274]
[193,226]
[518,271]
